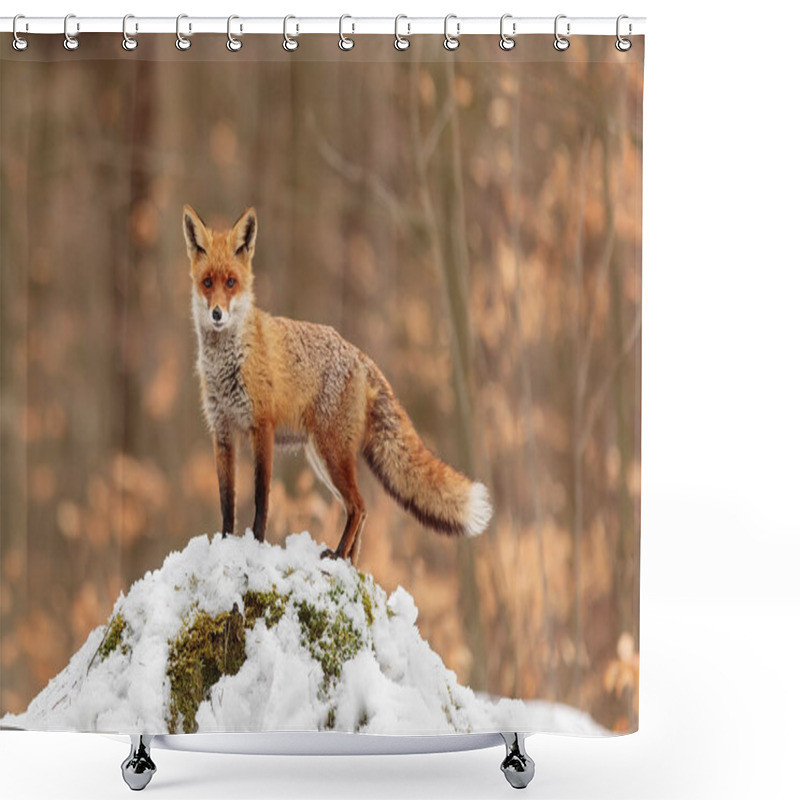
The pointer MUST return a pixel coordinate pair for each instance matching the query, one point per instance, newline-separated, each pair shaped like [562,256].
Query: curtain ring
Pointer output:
[182,43]
[345,43]
[70,41]
[561,44]
[401,42]
[623,45]
[507,42]
[233,44]
[290,43]
[451,42]
[128,42]
[19,44]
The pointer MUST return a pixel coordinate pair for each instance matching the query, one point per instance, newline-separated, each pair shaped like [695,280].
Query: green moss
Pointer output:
[113,638]
[269,606]
[336,591]
[448,715]
[366,598]
[362,595]
[209,647]
[363,719]
[201,654]
[453,705]
[330,641]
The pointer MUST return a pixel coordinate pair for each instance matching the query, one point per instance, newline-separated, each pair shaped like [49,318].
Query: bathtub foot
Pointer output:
[517,766]
[138,768]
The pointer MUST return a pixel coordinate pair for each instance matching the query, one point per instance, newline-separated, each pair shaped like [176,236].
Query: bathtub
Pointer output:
[139,767]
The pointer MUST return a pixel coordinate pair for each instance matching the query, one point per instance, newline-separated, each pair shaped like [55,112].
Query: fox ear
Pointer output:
[195,232]
[244,233]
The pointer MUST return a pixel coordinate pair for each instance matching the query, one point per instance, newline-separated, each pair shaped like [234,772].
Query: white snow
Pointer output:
[394,683]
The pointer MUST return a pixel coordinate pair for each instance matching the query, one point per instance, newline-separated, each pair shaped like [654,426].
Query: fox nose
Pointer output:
[216,314]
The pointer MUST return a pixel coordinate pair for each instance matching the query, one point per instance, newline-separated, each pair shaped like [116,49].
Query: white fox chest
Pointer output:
[225,399]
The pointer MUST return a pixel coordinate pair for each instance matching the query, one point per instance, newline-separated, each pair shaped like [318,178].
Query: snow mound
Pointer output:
[235,635]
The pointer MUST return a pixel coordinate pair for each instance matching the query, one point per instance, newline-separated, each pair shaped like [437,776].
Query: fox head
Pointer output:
[222,270]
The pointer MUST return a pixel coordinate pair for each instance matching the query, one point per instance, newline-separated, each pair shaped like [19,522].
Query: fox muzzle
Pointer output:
[220,317]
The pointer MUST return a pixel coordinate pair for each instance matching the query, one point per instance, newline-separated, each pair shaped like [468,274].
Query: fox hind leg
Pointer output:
[338,472]
[357,544]
[350,543]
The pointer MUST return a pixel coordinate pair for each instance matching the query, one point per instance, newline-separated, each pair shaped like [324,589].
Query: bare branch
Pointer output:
[435,133]
[400,212]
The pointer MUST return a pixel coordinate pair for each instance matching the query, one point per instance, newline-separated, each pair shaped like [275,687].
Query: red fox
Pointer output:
[289,383]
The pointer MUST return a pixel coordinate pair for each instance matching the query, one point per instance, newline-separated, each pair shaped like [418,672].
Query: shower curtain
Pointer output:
[448,246]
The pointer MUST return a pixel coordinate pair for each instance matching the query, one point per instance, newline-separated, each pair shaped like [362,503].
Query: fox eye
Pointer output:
[231,283]
[208,283]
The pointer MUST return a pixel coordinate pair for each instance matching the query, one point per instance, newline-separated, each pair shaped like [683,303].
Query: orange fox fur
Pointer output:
[293,383]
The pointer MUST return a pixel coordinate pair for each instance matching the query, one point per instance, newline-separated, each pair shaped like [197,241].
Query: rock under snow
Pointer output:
[235,635]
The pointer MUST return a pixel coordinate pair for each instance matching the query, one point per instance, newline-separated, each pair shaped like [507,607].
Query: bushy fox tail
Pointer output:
[438,495]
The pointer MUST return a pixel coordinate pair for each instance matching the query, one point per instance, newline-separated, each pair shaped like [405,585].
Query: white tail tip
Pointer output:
[478,512]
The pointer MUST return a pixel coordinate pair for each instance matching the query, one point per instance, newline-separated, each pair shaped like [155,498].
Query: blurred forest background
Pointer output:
[471,220]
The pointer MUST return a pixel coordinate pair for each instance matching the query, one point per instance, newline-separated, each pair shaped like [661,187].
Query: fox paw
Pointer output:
[328,553]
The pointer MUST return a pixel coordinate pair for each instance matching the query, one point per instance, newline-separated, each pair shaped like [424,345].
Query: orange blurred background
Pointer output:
[473,223]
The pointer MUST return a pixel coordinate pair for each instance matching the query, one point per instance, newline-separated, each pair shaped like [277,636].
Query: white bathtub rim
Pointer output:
[322,743]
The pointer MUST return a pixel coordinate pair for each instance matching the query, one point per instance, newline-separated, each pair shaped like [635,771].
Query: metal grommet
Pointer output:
[507,42]
[233,44]
[290,43]
[451,42]
[70,41]
[18,43]
[128,42]
[560,44]
[345,42]
[182,43]
[400,42]
[623,45]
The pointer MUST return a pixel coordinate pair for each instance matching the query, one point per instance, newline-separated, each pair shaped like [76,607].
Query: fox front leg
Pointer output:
[263,438]
[225,455]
